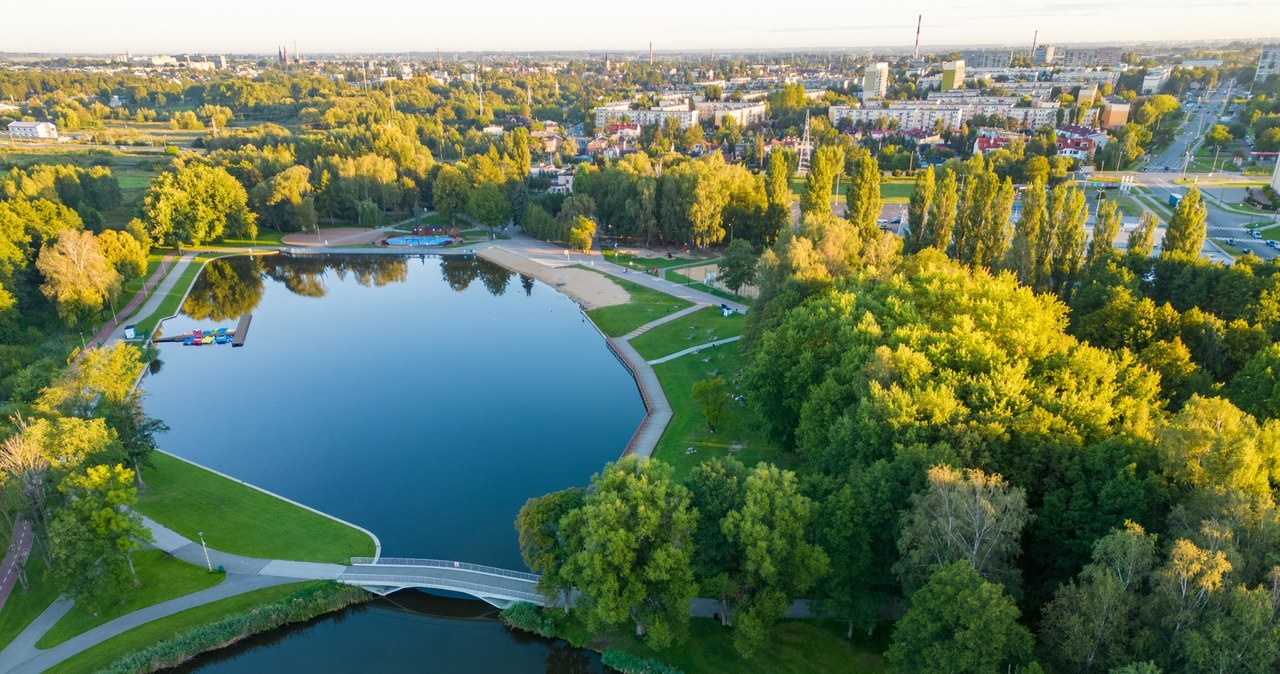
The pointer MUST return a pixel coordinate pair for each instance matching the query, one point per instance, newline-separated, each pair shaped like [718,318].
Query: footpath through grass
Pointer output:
[640,262]
[646,305]
[795,647]
[104,654]
[160,578]
[22,607]
[700,327]
[173,298]
[241,520]
[677,277]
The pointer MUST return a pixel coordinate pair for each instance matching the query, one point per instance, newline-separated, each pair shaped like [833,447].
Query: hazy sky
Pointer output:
[505,25]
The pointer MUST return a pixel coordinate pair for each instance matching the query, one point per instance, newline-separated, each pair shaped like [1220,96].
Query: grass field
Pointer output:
[241,520]
[266,237]
[795,647]
[739,434]
[646,305]
[101,656]
[637,262]
[160,577]
[701,327]
[677,277]
[23,607]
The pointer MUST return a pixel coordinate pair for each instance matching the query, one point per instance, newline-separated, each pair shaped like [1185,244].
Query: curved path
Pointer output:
[15,559]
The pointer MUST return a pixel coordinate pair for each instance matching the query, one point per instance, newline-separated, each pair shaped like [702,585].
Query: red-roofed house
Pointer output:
[625,130]
[984,144]
[1075,148]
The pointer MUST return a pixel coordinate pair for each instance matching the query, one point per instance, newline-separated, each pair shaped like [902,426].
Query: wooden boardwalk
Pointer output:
[658,409]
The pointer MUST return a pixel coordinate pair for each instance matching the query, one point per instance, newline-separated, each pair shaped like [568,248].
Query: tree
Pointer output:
[1091,623]
[1218,137]
[967,515]
[828,160]
[772,532]
[95,535]
[1029,256]
[100,376]
[716,486]
[77,275]
[286,201]
[918,210]
[738,266]
[634,564]
[942,213]
[124,252]
[545,544]
[1256,387]
[1241,634]
[488,205]
[959,623]
[1187,228]
[1068,212]
[1142,239]
[712,395]
[582,232]
[195,203]
[863,197]
[449,193]
[1105,230]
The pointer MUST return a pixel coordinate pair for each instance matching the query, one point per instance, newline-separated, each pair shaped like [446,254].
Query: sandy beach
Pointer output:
[336,236]
[587,288]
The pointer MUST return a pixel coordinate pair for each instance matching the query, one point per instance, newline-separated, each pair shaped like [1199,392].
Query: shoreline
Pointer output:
[589,289]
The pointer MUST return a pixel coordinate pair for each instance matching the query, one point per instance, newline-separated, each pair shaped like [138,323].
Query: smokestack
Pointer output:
[295,51]
[1034,38]
[650,53]
[919,20]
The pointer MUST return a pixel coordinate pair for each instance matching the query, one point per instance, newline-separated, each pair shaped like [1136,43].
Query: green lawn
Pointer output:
[701,327]
[638,262]
[677,277]
[104,654]
[795,647]
[172,299]
[897,192]
[132,181]
[23,607]
[646,305]
[160,577]
[241,520]
[739,434]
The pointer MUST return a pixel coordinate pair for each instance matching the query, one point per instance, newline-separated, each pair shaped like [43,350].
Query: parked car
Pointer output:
[1255,234]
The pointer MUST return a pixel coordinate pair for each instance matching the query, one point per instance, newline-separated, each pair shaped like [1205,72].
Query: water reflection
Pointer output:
[459,271]
[228,288]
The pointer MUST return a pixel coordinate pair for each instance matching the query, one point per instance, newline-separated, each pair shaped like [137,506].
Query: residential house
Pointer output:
[33,130]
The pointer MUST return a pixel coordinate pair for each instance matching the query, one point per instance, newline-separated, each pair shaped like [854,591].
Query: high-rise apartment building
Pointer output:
[875,81]
[953,75]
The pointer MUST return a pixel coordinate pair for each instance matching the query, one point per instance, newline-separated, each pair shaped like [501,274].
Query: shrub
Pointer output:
[304,604]
[634,664]
[530,618]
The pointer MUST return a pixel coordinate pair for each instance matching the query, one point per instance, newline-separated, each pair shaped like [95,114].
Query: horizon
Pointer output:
[241,27]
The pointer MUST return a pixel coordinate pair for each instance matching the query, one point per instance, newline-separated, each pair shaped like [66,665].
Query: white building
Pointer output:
[903,114]
[1154,80]
[1268,64]
[875,81]
[743,113]
[621,113]
[33,130]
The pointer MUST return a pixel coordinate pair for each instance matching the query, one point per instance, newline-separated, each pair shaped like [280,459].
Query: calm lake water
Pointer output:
[423,399]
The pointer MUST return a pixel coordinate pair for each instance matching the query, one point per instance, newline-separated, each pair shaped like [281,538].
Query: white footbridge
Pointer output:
[498,587]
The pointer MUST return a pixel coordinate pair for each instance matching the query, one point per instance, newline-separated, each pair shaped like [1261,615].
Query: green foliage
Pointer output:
[827,163]
[959,622]
[450,192]
[633,566]
[194,203]
[1186,231]
[300,606]
[582,233]
[78,276]
[545,543]
[529,617]
[712,396]
[634,664]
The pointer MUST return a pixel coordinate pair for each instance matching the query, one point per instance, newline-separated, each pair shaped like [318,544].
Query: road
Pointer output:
[1159,172]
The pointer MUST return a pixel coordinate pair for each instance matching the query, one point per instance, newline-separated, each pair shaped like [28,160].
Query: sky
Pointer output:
[377,26]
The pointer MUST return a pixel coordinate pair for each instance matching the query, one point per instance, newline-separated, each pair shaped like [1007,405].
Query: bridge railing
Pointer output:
[444,564]
[443,583]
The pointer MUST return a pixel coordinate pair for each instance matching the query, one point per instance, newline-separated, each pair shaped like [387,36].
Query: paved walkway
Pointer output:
[665,319]
[107,333]
[151,302]
[16,558]
[694,349]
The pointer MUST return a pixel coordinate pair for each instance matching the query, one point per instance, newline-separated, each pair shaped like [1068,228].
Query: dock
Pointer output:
[242,330]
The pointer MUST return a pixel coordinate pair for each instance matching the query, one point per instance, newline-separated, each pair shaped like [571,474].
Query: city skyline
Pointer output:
[238,26]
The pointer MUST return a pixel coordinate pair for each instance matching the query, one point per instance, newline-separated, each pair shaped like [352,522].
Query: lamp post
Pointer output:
[206,551]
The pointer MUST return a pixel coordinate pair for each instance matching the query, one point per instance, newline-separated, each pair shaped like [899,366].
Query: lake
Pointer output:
[424,399]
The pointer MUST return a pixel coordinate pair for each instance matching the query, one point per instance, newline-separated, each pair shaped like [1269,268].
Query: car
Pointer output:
[1272,244]
[1231,242]
[1255,234]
